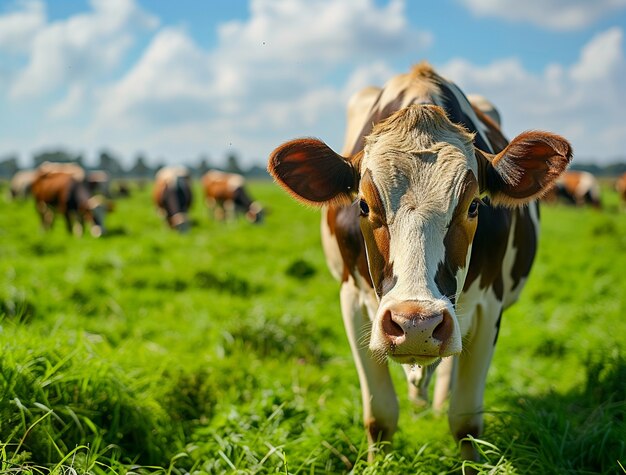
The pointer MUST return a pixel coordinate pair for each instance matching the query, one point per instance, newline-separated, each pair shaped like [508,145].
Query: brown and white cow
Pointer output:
[577,188]
[59,190]
[423,277]
[173,196]
[226,195]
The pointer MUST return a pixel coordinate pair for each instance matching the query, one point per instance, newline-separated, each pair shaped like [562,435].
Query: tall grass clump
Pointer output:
[58,391]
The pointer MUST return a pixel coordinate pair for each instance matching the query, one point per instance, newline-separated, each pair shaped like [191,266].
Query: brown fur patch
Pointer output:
[350,242]
[527,167]
[457,240]
[376,235]
[312,172]
[488,248]
[53,189]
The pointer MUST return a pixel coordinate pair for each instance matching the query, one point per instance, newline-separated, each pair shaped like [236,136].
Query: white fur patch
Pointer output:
[170,174]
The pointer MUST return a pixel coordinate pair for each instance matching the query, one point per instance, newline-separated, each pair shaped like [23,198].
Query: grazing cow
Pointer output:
[173,196]
[577,188]
[620,187]
[226,195]
[61,192]
[21,183]
[423,277]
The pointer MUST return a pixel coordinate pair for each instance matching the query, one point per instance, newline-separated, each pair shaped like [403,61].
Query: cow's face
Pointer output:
[418,184]
[97,209]
[255,213]
[418,199]
[179,221]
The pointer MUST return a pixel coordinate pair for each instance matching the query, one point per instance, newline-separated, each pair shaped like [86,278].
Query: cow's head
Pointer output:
[255,213]
[176,202]
[96,211]
[418,184]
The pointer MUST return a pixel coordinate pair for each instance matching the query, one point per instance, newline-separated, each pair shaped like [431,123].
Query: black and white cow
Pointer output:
[173,196]
[431,225]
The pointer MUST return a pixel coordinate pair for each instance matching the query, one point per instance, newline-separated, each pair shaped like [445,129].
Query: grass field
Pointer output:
[223,351]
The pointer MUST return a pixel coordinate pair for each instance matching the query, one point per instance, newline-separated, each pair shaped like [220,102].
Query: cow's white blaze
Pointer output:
[420,176]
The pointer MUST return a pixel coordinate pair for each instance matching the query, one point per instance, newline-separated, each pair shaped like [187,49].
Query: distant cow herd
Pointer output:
[83,198]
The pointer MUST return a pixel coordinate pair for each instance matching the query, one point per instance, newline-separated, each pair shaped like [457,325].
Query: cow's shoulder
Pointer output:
[343,223]
[503,249]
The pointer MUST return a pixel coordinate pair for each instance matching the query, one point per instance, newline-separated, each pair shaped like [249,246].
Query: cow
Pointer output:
[60,191]
[226,195]
[173,196]
[620,187]
[423,277]
[21,183]
[578,188]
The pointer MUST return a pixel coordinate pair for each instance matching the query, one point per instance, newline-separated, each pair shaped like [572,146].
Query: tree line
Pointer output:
[141,168]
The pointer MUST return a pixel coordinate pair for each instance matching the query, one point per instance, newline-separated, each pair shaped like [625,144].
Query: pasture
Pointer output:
[223,351]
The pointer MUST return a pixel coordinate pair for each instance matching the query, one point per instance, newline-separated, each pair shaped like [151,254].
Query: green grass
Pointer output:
[223,351]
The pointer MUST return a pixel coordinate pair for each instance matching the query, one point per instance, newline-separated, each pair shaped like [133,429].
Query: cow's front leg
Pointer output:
[442,383]
[380,405]
[469,375]
[74,223]
[69,225]
[46,214]
[419,378]
[230,211]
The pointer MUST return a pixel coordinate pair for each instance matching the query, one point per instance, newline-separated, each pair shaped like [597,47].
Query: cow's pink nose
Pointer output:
[410,327]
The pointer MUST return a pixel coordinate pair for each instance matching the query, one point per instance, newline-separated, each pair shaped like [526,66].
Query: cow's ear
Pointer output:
[312,172]
[525,169]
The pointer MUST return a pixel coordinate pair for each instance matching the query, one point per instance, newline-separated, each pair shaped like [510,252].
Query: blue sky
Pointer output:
[176,80]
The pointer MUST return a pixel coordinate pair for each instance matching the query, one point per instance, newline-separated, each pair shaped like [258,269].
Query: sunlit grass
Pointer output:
[223,351]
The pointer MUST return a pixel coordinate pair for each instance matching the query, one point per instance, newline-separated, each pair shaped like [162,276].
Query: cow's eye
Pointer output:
[472,212]
[364,208]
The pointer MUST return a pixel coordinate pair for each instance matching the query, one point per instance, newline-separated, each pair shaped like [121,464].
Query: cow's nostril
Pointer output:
[443,331]
[390,327]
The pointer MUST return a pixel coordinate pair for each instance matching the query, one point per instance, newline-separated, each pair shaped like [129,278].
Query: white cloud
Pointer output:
[17,28]
[269,76]
[286,71]
[74,101]
[584,101]
[169,82]
[319,31]
[601,57]
[552,14]
[81,48]
[374,74]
